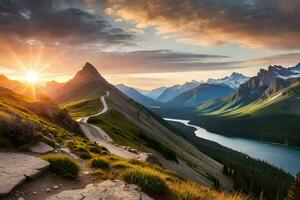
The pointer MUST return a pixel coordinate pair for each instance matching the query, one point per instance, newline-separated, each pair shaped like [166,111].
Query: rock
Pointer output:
[48,190]
[41,147]
[107,190]
[34,192]
[55,187]
[21,198]
[15,168]
[135,151]
[148,157]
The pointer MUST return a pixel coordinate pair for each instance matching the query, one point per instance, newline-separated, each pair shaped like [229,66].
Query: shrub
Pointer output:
[83,153]
[62,165]
[95,149]
[149,181]
[121,165]
[100,163]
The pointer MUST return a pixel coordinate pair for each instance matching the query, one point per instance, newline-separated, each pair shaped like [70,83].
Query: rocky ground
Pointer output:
[107,190]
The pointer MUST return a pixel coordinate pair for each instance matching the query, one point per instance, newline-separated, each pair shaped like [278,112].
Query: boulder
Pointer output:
[15,168]
[107,190]
[41,147]
[148,157]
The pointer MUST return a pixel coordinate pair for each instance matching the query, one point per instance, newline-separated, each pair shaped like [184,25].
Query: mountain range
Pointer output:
[266,107]
[137,96]
[172,92]
[233,81]
[199,94]
[189,94]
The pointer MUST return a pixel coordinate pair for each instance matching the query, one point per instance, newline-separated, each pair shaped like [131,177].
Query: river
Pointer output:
[287,158]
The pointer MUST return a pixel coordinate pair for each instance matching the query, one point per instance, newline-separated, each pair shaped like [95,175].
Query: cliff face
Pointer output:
[265,83]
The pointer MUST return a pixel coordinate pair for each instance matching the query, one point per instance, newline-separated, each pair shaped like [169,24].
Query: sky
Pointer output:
[147,44]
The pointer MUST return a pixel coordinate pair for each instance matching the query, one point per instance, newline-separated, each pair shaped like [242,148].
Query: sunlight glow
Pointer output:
[32,76]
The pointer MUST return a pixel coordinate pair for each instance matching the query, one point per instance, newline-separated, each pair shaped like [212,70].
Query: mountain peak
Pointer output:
[90,68]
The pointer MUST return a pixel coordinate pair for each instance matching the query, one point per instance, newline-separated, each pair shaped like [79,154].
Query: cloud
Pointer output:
[57,22]
[280,59]
[250,23]
[158,61]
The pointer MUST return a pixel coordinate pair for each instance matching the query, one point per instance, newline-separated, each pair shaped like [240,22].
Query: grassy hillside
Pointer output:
[275,118]
[24,121]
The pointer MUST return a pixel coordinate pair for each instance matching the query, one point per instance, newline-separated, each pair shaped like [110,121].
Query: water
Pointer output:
[287,158]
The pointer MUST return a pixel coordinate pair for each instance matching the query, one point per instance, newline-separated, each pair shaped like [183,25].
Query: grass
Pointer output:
[62,165]
[84,107]
[148,179]
[100,163]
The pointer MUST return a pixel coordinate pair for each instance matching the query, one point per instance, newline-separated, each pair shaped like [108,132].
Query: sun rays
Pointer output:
[33,61]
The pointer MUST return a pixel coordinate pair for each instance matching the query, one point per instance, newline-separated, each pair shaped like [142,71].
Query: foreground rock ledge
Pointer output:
[15,168]
[107,190]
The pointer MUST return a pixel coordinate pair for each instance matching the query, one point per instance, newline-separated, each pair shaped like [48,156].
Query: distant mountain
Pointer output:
[24,89]
[199,94]
[233,81]
[137,96]
[11,84]
[153,94]
[174,91]
[266,107]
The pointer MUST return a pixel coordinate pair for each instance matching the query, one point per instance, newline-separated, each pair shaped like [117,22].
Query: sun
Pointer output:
[32,76]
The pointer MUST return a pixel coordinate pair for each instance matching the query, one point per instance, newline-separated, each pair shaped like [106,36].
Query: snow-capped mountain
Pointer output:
[233,81]
[285,73]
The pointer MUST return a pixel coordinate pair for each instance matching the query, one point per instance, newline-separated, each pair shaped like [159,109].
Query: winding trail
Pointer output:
[99,136]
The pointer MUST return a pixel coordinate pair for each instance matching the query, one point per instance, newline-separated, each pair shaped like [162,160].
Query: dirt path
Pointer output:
[98,135]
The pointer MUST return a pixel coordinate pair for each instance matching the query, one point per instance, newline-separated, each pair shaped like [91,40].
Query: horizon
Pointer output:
[67,78]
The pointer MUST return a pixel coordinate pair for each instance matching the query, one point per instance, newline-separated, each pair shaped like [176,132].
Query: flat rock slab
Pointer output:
[15,168]
[107,190]
[41,147]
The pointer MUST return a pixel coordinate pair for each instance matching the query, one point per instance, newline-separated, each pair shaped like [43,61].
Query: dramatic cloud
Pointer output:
[57,22]
[158,61]
[251,23]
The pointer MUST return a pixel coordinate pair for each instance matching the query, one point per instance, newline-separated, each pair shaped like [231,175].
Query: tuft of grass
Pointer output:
[62,165]
[100,163]
[83,153]
[121,165]
[148,179]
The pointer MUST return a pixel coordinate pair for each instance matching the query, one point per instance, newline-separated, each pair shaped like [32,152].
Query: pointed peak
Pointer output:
[89,68]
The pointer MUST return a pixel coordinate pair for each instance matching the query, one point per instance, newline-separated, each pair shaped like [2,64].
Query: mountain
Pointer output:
[233,81]
[11,84]
[153,94]
[36,92]
[87,83]
[174,91]
[266,107]
[199,94]
[130,124]
[137,96]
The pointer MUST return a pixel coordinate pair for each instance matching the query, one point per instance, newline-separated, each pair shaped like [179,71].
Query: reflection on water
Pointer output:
[287,158]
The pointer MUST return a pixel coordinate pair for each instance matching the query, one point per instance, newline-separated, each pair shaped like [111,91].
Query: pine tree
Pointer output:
[294,192]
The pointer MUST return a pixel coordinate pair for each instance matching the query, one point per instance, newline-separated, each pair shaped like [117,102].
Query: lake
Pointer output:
[287,158]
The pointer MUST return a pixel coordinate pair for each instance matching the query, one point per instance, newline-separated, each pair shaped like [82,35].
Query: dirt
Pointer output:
[36,189]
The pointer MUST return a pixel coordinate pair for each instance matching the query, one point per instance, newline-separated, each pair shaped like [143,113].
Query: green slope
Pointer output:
[274,118]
